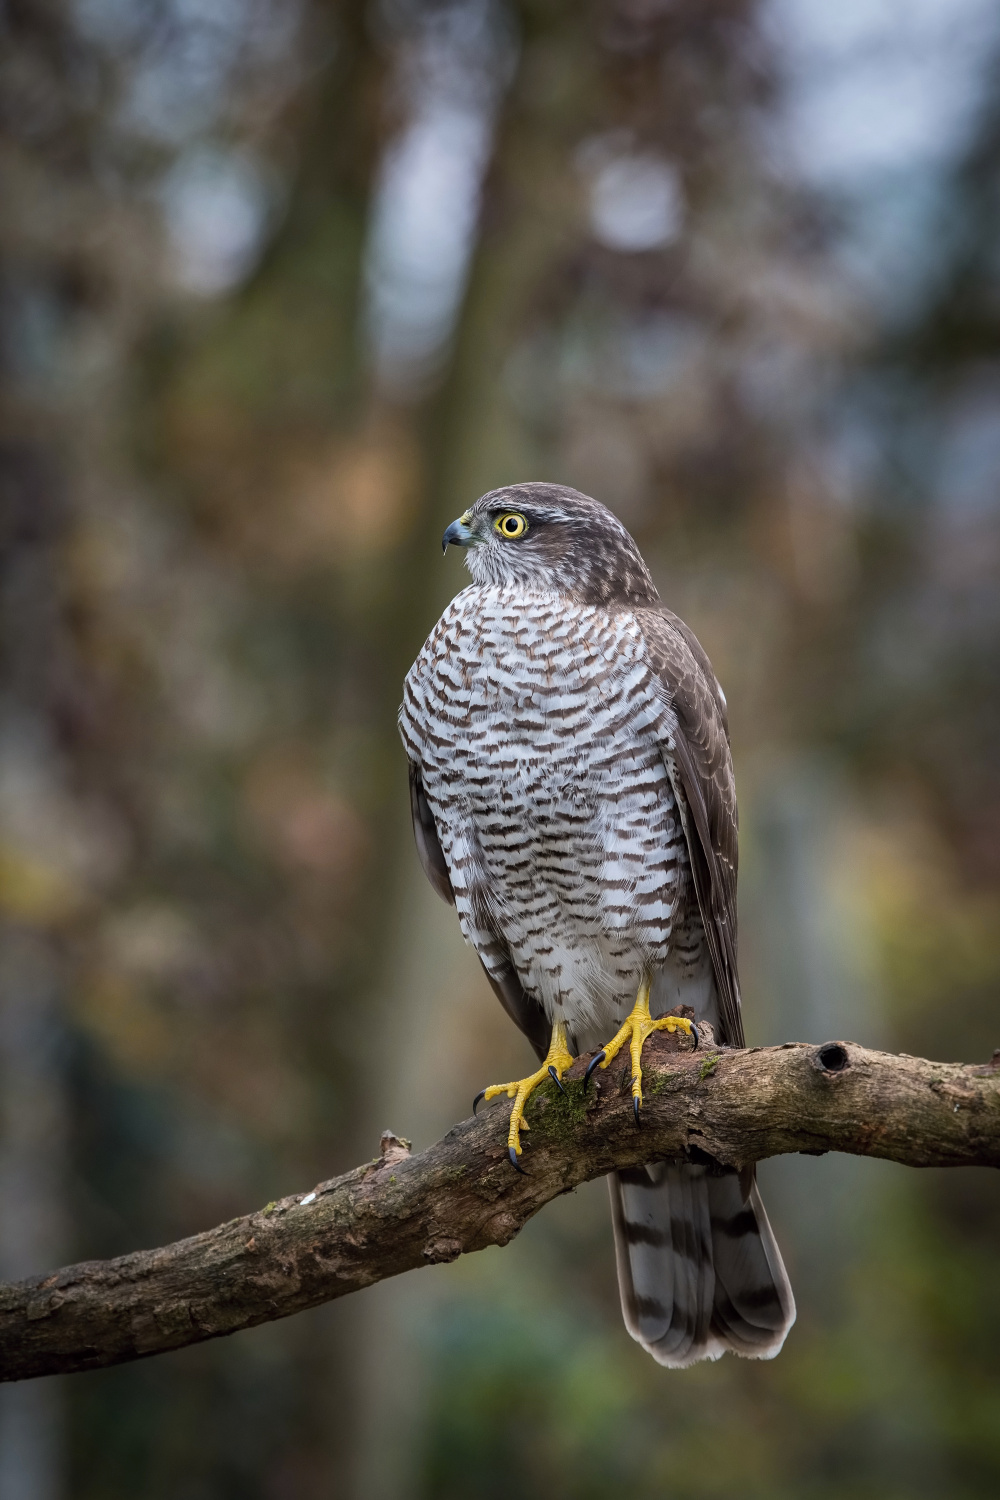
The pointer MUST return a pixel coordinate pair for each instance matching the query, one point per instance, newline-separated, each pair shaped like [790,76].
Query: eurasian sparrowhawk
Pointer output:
[573,796]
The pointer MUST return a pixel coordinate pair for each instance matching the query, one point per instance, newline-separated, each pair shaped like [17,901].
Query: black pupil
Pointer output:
[510,524]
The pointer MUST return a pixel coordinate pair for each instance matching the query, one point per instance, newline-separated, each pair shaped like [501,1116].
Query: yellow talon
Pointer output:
[558,1058]
[638,1026]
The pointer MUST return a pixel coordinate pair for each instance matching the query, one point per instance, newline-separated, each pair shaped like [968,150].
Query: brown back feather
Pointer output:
[700,766]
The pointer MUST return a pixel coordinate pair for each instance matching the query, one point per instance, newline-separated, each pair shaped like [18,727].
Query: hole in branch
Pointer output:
[832,1057]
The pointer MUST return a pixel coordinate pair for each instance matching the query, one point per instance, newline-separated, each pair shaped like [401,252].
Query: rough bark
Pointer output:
[402,1211]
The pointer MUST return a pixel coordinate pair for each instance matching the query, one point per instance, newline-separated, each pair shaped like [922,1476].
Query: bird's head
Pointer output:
[549,537]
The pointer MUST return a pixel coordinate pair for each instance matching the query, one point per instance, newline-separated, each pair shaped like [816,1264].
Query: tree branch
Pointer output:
[401,1211]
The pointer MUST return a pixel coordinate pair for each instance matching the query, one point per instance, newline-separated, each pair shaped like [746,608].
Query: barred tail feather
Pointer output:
[698,1266]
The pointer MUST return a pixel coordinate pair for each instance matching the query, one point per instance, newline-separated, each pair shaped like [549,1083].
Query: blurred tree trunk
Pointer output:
[614,72]
[33,1189]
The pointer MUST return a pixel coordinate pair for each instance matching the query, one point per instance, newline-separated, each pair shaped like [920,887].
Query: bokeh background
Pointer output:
[284,285]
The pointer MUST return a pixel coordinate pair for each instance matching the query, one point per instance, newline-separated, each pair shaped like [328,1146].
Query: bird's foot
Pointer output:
[557,1060]
[639,1025]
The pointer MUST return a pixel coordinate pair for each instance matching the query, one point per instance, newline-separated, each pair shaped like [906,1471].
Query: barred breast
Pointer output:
[537,725]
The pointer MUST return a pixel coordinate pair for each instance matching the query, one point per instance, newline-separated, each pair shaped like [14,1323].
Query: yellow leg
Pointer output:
[557,1060]
[639,1025]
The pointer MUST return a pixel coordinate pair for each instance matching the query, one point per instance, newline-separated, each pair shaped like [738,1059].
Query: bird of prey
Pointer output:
[572,795]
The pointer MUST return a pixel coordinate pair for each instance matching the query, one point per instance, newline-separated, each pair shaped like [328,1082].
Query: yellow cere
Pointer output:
[511,525]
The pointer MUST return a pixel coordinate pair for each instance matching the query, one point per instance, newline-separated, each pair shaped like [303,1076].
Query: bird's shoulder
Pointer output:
[679,660]
[698,707]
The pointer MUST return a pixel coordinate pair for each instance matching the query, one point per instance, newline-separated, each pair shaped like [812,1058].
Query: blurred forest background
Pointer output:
[284,285]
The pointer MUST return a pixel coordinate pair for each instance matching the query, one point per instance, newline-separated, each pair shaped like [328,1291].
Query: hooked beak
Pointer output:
[459,534]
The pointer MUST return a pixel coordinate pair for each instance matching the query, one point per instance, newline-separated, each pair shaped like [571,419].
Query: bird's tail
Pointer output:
[699,1269]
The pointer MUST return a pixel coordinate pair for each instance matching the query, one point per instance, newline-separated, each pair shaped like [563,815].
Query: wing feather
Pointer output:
[425,833]
[526,1013]
[700,766]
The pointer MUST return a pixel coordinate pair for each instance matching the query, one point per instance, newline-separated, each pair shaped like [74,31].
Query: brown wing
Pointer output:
[526,1013]
[700,767]
[426,835]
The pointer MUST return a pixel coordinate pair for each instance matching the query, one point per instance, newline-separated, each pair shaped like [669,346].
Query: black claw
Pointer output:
[635,1109]
[694,1033]
[556,1079]
[514,1161]
[595,1062]
[477,1101]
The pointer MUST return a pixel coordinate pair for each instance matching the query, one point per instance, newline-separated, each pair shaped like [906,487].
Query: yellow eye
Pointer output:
[511,525]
